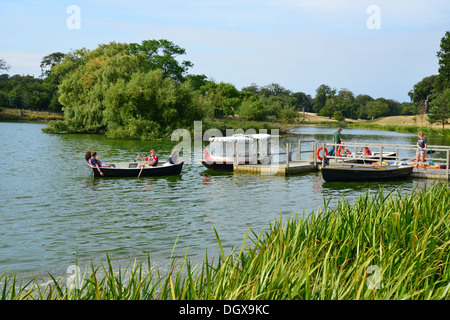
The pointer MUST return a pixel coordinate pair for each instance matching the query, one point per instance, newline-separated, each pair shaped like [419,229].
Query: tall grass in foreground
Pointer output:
[386,246]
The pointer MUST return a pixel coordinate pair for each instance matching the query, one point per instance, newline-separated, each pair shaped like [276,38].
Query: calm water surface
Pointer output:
[53,213]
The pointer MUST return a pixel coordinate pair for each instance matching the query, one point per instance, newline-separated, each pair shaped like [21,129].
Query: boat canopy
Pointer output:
[260,136]
[242,138]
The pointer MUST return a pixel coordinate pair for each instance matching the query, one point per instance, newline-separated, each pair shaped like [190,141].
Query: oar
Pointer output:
[137,158]
[141,171]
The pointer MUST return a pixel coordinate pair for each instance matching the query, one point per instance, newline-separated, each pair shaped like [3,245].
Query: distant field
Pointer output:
[28,115]
[418,120]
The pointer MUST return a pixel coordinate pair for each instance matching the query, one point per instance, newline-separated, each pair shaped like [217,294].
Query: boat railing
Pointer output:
[381,153]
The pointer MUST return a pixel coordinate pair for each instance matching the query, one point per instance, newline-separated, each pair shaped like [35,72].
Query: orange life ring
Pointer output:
[318,153]
[340,149]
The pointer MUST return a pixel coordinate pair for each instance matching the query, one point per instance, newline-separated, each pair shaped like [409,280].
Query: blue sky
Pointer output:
[298,44]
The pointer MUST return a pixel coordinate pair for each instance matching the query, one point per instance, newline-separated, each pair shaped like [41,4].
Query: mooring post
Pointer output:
[235,157]
[396,156]
[314,154]
[287,156]
[381,155]
[448,161]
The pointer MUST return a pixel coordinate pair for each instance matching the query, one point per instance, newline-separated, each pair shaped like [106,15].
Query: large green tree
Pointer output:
[323,93]
[376,108]
[302,101]
[440,108]
[339,106]
[443,78]
[161,54]
[49,61]
[422,92]
[114,89]
[224,99]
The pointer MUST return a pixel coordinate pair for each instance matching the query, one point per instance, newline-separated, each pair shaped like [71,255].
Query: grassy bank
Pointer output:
[386,246]
[401,128]
[9,114]
[394,123]
[410,124]
[236,124]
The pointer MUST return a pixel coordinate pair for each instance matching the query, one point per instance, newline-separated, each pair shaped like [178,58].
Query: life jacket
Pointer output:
[94,163]
[149,158]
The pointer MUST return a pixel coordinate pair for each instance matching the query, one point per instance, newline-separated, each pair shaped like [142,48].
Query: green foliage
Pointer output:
[323,93]
[224,99]
[443,78]
[288,114]
[302,101]
[440,108]
[27,92]
[252,109]
[376,108]
[196,80]
[339,116]
[160,54]
[422,90]
[49,61]
[118,89]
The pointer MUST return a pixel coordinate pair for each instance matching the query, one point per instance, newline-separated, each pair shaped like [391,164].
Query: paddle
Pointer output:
[141,171]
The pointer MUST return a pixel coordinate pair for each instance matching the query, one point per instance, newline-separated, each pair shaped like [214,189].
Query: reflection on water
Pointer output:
[53,212]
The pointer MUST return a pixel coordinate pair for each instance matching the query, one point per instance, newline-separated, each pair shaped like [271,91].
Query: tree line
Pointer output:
[431,95]
[143,91]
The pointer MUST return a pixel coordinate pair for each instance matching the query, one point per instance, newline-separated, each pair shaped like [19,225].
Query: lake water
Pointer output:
[53,213]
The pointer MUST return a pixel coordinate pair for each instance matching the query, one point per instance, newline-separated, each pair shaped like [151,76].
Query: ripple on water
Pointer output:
[54,213]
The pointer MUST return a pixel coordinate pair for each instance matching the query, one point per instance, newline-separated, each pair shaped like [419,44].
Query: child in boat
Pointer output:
[91,158]
[151,160]
[367,151]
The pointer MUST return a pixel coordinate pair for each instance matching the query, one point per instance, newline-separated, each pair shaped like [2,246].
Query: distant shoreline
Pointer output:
[392,123]
[11,114]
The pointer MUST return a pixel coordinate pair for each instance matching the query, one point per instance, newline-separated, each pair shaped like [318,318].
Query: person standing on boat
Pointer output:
[422,144]
[337,140]
[337,136]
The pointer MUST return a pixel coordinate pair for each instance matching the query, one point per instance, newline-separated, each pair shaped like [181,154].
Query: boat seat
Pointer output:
[133,165]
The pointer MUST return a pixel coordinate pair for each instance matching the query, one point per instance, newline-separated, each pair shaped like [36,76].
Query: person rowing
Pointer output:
[151,159]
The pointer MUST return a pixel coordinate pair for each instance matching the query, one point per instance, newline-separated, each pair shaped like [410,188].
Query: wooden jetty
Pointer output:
[309,160]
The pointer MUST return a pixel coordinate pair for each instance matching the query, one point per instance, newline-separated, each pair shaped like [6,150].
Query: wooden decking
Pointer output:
[300,167]
[431,174]
[292,168]
[312,163]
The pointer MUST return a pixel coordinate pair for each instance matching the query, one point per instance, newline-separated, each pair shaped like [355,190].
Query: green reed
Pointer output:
[384,246]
